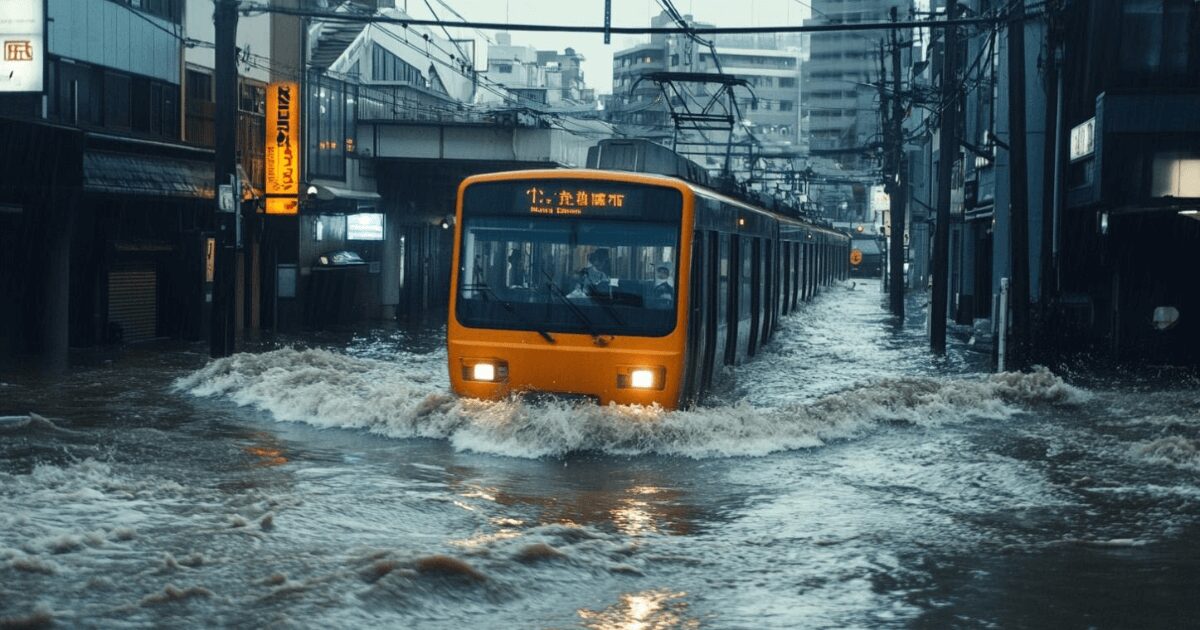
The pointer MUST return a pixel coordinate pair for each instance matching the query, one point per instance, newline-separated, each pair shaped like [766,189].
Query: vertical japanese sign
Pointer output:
[283,148]
[22,36]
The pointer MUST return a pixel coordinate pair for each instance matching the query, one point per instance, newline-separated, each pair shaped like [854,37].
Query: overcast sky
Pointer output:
[598,67]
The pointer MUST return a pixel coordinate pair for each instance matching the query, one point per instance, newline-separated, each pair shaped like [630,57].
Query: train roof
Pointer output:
[652,179]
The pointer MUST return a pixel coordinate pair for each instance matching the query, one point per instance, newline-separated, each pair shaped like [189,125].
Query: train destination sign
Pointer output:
[572,202]
[573,198]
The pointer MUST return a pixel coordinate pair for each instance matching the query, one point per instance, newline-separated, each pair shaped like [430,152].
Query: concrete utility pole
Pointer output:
[1019,188]
[896,185]
[947,149]
[225,18]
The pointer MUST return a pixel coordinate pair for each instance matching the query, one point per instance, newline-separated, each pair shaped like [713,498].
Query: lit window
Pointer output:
[364,227]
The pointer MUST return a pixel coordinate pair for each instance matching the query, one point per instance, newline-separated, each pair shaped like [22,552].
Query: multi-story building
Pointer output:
[1112,168]
[105,208]
[545,77]
[840,101]
[770,65]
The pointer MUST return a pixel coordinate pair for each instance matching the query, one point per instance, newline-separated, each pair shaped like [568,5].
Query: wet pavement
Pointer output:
[845,479]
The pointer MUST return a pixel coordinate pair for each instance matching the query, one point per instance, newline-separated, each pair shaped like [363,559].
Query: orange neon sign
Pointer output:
[283,148]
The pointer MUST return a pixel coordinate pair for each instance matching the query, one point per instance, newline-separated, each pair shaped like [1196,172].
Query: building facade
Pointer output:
[1113,176]
[840,105]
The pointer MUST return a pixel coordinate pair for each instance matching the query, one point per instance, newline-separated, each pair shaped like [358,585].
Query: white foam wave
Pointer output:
[1173,450]
[409,399]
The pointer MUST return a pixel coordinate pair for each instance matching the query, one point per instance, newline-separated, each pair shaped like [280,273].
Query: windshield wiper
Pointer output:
[509,307]
[583,318]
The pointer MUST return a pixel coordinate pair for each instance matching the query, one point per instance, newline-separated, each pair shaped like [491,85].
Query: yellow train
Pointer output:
[620,287]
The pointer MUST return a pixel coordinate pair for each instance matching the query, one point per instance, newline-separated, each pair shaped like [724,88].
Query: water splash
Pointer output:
[408,398]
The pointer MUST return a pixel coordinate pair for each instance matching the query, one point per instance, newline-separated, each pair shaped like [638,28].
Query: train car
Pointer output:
[620,287]
[866,256]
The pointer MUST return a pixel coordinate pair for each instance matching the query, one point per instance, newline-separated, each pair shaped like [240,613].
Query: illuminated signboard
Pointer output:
[552,198]
[22,35]
[283,148]
[1083,139]
[573,201]
[283,205]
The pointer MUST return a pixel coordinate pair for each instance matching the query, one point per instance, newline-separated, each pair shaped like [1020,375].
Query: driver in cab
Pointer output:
[593,279]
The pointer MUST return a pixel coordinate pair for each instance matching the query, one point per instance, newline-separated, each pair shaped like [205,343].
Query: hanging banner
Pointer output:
[22,35]
[283,148]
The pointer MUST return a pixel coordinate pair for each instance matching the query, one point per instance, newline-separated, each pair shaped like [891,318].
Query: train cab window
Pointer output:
[607,274]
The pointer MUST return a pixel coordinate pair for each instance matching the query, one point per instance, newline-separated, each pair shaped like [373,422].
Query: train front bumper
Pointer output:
[619,372]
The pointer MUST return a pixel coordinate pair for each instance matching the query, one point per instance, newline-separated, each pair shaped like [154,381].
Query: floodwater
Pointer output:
[846,479]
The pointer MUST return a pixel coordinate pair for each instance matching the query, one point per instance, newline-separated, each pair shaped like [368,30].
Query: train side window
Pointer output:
[768,291]
[798,264]
[732,311]
[723,292]
[752,293]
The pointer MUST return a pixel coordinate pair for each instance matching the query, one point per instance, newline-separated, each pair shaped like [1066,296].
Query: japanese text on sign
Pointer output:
[571,202]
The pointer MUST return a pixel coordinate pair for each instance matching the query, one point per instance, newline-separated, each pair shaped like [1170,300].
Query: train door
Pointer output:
[712,266]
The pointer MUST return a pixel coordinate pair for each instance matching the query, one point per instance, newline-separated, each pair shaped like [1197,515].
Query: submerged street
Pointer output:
[848,479]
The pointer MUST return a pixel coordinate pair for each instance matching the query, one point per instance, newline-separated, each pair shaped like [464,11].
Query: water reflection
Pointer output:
[646,610]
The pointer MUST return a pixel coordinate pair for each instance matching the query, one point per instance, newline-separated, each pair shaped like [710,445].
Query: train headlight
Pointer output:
[483,372]
[641,379]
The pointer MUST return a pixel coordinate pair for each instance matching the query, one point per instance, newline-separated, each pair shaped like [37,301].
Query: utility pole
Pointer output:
[1019,188]
[896,183]
[221,334]
[947,149]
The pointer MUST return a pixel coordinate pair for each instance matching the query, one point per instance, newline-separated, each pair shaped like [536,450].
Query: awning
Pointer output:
[151,176]
[335,193]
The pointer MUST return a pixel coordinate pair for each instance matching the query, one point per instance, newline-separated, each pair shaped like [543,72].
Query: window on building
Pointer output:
[1159,40]
[116,101]
[252,98]
[504,68]
[199,86]
[674,59]
[787,82]
[367,226]
[171,10]
[331,126]
[786,106]
[386,66]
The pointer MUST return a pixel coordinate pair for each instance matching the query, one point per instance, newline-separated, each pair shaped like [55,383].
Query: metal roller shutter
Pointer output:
[133,301]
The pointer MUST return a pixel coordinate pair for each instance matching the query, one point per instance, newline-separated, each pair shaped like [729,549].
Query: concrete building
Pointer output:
[770,64]
[102,232]
[840,102]
[1113,172]
[540,77]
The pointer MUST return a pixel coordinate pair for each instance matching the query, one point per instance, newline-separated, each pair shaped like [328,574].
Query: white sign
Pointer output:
[22,40]
[1083,139]
[880,200]
[225,198]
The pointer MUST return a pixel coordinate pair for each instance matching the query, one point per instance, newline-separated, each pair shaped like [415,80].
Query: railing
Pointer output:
[409,104]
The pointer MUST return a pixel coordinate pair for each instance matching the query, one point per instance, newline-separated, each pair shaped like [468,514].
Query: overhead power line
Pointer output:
[620,30]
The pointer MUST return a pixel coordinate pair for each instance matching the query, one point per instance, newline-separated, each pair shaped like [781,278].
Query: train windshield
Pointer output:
[608,271]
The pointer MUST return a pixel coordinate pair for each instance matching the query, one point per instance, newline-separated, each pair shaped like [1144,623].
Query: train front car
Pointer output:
[570,282]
